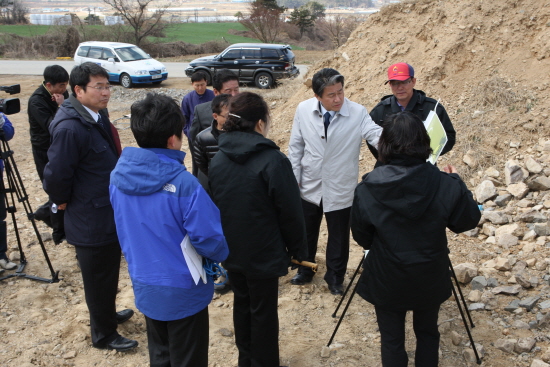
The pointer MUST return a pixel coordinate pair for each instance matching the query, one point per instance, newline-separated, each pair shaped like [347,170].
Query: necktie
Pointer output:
[327,122]
[100,122]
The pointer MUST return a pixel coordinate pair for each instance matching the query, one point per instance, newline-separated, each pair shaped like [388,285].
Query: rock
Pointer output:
[492,172]
[456,338]
[325,352]
[506,345]
[495,216]
[479,283]
[469,160]
[541,183]
[503,200]
[532,165]
[518,190]
[512,306]
[529,302]
[476,306]
[69,355]
[474,296]
[513,229]
[523,280]
[544,305]
[528,247]
[472,232]
[539,363]
[226,332]
[524,345]
[509,289]
[503,264]
[533,216]
[506,240]
[542,229]
[488,229]
[525,203]
[465,272]
[512,172]
[544,321]
[492,282]
[485,191]
[529,235]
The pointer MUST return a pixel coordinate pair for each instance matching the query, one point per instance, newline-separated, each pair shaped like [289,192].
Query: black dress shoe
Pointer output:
[301,279]
[124,315]
[43,214]
[336,289]
[120,344]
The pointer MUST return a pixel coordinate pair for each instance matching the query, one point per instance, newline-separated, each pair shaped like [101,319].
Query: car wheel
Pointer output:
[207,74]
[125,80]
[263,80]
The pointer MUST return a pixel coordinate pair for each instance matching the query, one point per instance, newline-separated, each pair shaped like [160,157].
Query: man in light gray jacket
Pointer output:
[324,151]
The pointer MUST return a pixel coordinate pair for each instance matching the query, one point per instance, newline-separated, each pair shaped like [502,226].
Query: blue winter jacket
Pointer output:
[8,134]
[156,203]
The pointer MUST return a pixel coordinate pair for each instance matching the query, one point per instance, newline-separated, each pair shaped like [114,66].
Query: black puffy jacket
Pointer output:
[253,185]
[41,110]
[205,148]
[400,213]
[421,106]
[81,158]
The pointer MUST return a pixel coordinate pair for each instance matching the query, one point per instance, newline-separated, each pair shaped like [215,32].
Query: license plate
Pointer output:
[157,76]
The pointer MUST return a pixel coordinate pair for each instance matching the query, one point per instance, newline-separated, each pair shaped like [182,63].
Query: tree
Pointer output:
[339,28]
[264,20]
[317,10]
[138,17]
[302,18]
[13,12]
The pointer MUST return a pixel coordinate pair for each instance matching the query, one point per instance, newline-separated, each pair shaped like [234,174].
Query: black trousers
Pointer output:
[256,320]
[337,253]
[3,226]
[57,219]
[100,267]
[179,343]
[392,333]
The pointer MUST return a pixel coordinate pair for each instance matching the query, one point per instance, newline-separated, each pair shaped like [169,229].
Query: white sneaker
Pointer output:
[8,265]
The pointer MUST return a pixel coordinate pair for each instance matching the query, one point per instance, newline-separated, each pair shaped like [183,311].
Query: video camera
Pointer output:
[11,105]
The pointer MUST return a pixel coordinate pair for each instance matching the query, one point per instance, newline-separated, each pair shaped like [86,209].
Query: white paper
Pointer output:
[437,133]
[193,260]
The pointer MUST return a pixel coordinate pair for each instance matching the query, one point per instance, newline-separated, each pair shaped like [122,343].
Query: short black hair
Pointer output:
[154,119]
[80,75]
[245,110]
[325,78]
[198,76]
[221,77]
[404,134]
[55,74]
[219,102]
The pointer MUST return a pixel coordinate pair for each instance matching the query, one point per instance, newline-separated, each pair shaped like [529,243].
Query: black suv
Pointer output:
[261,63]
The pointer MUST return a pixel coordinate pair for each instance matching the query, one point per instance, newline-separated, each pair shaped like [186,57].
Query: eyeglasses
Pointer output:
[102,88]
[398,83]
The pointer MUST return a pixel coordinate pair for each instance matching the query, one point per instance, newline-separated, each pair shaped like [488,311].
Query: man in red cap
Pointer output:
[405,98]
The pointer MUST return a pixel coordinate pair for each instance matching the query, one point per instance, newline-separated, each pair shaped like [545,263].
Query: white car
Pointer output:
[125,63]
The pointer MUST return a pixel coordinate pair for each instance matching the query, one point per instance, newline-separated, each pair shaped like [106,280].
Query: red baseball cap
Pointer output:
[400,71]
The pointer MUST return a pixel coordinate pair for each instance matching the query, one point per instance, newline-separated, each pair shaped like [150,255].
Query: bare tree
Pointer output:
[13,12]
[264,20]
[339,27]
[139,18]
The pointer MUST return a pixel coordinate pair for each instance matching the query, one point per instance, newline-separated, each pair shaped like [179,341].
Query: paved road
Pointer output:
[33,67]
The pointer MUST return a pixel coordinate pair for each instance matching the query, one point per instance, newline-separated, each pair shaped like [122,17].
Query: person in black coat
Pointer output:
[400,213]
[253,185]
[84,150]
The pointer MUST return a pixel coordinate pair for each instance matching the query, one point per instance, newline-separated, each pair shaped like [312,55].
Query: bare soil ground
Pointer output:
[489,64]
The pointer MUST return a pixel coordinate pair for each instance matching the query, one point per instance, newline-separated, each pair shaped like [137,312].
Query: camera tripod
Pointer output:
[15,189]
[458,302]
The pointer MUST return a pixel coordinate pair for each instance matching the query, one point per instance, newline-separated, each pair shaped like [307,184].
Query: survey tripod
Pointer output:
[458,303]
[14,189]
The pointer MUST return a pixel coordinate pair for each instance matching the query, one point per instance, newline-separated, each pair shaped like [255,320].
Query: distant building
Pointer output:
[50,19]
[112,20]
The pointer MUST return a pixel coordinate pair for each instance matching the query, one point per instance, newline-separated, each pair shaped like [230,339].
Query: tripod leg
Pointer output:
[461,295]
[343,314]
[478,360]
[349,286]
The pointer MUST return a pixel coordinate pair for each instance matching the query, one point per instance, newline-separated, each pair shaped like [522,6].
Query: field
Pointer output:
[195,33]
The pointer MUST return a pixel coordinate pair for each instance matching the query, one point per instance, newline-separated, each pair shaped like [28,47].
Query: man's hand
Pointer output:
[62,206]
[450,169]
[58,98]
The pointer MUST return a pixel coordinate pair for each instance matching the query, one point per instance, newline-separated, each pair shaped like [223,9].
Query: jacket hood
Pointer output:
[143,171]
[239,146]
[405,185]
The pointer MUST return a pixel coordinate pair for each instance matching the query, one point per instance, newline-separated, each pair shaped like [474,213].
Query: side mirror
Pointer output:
[111,60]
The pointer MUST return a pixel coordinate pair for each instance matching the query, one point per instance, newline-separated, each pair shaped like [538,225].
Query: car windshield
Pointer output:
[132,53]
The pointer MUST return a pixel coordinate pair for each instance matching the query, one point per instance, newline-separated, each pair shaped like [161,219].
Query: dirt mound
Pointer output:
[487,56]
